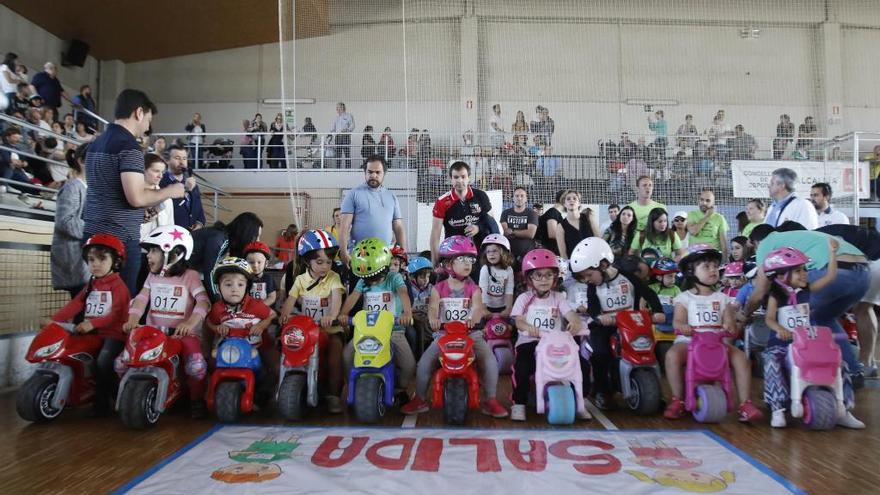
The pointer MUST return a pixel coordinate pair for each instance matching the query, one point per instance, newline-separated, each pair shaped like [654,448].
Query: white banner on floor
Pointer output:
[283,460]
[751,177]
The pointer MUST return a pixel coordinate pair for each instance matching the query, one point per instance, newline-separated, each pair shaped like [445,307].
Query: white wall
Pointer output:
[35,46]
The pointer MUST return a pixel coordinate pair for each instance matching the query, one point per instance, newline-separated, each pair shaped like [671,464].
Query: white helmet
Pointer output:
[168,237]
[589,253]
[496,239]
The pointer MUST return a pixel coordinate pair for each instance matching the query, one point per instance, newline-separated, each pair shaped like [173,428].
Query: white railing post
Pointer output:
[856,178]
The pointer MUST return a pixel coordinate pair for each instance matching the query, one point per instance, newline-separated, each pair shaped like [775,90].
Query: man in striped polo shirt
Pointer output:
[117,191]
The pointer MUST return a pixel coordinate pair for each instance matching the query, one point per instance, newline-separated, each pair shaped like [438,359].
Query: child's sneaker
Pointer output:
[747,412]
[415,406]
[850,421]
[518,412]
[778,419]
[493,408]
[583,414]
[603,401]
[198,409]
[334,404]
[675,409]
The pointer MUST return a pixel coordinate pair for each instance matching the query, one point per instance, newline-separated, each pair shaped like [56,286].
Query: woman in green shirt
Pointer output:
[755,211]
[658,235]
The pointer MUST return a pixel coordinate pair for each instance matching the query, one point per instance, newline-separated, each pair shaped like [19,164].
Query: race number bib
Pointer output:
[791,317]
[580,297]
[315,307]
[704,314]
[455,309]
[420,304]
[98,303]
[544,318]
[616,295]
[379,301]
[665,300]
[258,291]
[169,300]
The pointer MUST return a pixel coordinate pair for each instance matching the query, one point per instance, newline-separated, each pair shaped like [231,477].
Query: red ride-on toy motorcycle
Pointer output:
[456,387]
[301,344]
[65,375]
[154,379]
[638,375]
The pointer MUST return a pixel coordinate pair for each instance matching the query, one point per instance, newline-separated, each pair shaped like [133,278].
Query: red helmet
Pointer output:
[399,252]
[258,247]
[108,241]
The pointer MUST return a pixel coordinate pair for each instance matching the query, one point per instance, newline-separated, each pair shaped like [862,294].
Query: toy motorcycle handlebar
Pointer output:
[67,326]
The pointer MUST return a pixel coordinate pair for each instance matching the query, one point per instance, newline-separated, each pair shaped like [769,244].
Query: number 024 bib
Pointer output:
[379,301]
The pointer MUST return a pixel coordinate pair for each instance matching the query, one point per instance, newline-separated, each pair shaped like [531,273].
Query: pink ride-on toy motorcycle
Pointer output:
[816,381]
[498,335]
[708,390]
[558,379]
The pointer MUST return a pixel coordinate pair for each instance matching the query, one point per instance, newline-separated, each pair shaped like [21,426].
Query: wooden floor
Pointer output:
[76,454]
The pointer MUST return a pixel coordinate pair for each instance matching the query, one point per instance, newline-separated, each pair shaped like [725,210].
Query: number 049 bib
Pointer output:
[544,318]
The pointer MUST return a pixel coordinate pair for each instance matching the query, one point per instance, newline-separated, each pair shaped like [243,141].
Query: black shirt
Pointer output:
[637,291]
[542,235]
[458,213]
[519,246]
[574,235]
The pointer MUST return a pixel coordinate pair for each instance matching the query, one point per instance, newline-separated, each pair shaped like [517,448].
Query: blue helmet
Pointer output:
[663,266]
[417,264]
[312,240]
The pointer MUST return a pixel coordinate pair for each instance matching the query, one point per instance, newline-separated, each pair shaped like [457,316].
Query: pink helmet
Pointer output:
[734,269]
[457,245]
[539,258]
[497,239]
[784,259]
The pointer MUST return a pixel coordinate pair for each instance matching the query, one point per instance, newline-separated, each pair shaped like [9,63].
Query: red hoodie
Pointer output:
[105,301]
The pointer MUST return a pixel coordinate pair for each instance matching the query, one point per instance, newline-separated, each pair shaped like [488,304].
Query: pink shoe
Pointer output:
[493,408]
[748,412]
[415,406]
[675,409]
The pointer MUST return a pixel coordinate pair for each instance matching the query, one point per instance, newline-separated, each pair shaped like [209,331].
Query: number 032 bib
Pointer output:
[455,309]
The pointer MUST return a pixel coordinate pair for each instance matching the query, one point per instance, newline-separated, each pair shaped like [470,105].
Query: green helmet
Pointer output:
[369,257]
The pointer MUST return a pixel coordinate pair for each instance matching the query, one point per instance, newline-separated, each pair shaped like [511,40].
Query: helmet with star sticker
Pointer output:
[168,237]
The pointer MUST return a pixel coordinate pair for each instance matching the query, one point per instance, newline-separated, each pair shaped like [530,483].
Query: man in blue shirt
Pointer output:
[84,101]
[49,87]
[342,127]
[188,212]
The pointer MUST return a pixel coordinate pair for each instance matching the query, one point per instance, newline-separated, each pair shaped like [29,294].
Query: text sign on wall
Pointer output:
[751,178]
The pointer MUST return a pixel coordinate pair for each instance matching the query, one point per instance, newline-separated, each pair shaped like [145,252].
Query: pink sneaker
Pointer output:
[747,412]
[493,408]
[415,406]
[675,409]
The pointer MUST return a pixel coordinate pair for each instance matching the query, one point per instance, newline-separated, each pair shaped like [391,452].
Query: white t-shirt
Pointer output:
[6,86]
[704,312]
[799,210]
[496,119]
[544,313]
[495,290]
[834,217]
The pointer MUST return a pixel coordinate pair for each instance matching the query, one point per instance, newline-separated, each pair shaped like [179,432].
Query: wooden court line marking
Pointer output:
[410,421]
[598,415]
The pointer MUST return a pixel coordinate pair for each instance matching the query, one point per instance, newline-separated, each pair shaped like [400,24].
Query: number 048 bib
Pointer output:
[616,295]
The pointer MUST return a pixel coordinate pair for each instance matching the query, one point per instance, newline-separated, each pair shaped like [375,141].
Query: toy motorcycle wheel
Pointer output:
[137,406]
[560,404]
[369,399]
[504,357]
[34,399]
[292,397]
[711,404]
[227,401]
[645,398]
[820,409]
[455,401]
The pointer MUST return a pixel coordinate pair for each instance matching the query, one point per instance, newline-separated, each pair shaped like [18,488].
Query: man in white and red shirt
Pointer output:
[462,211]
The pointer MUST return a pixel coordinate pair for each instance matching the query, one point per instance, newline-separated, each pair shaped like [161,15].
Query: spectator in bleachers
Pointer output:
[687,133]
[707,226]
[368,143]
[159,146]
[82,134]
[820,196]
[309,129]
[682,167]
[755,211]
[657,125]
[424,150]
[9,78]
[520,224]
[69,272]
[625,148]
[496,127]
[85,101]
[196,139]
[874,172]
[547,164]
[718,133]
[742,146]
[188,212]
[386,145]
[786,204]
[49,116]
[49,87]
[276,142]
[257,132]
[613,210]
[801,151]
[806,134]
[643,204]
[520,130]
[11,164]
[343,126]
[68,124]
[20,99]
[784,135]
[285,244]
[543,124]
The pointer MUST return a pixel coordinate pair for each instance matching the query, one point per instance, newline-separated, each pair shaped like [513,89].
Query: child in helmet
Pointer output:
[382,290]
[103,305]
[700,307]
[177,302]
[420,287]
[539,309]
[664,271]
[457,298]
[788,307]
[496,275]
[399,261]
[237,309]
[734,278]
[264,288]
[319,291]
[576,294]
[609,291]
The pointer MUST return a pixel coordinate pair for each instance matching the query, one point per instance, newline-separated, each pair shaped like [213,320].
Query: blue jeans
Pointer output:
[132,264]
[830,303]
